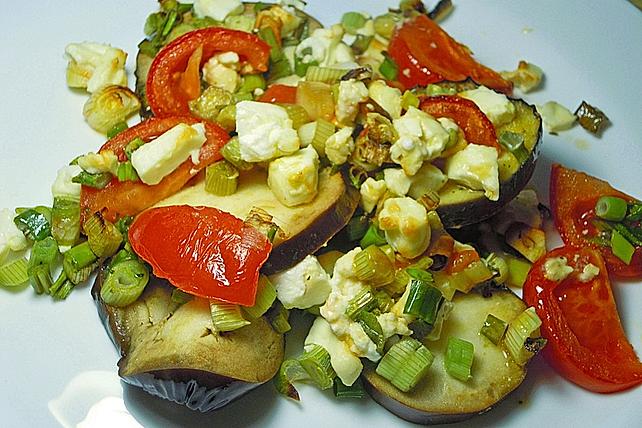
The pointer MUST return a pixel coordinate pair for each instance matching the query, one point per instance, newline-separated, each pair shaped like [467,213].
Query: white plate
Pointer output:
[589,50]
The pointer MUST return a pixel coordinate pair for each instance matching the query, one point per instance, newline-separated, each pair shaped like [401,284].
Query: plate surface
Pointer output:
[59,365]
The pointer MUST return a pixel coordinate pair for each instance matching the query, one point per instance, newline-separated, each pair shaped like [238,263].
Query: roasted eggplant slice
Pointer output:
[306,228]
[461,206]
[440,398]
[171,351]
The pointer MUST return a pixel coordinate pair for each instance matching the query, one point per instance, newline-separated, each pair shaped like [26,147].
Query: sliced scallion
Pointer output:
[290,371]
[373,236]
[323,74]
[420,274]
[297,114]
[353,21]
[494,329]
[35,223]
[373,266]
[322,132]
[279,318]
[126,172]
[363,301]
[14,273]
[433,90]
[611,208]
[124,283]
[409,99]
[316,362]
[459,358]
[628,233]
[634,212]
[621,247]
[388,68]
[498,266]
[517,271]
[405,363]
[357,227]
[361,43]
[132,146]
[226,316]
[61,288]
[97,181]
[41,260]
[221,178]
[591,118]
[80,256]
[514,143]
[265,296]
[117,129]
[103,237]
[520,329]
[423,301]
[445,308]
[65,220]
[371,326]
[353,391]
[251,82]
[231,152]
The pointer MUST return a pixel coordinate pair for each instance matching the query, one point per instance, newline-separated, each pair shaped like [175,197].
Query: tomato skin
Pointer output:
[573,197]
[202,250]
[477,128]
[586,342]
[430,55]
[120,199]
[461,260]
[164,93]
[283,94]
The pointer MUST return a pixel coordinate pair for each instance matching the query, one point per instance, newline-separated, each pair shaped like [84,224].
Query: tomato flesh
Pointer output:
[573,198]
[165,93]
[202,250]
[425,54]
[586,342]
[477,128]
[279,94]
[120,199]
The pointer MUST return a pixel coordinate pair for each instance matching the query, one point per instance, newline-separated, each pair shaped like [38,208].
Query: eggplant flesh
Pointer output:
[305,228]
[439,398]
[172,351]
[460,206]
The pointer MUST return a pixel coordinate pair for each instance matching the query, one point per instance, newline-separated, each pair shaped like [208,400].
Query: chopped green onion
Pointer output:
[132,146]
[361,43]
[80,256]
[621,247]
[389,252]
[405,363]
[520,329]
[373,266]
[297,114]
[628,233]
[459,358]
[357,227]
[265,297]
[65,220]
[123,255]
[443,313]
[43,255]
[180,297]
[499,266]
[611,208]
[423,301]
[124,283]
[384,301]
[279,64]
[323,74]
[290,371]
[35,224]
[353,391]
[169,23]
[409,99]
[371,326]
[243,96]
[388,68]
[103,237]
[126,172]
[420,274]
[97,181]
[494,329]
[226,316]
[221,178]
[357,176]
[61,288]
[634,212]
[278,317]
[353,21]
[117,129]
[363,301]
[433,90]
[373,236]
[251,82]
[231,152]
[123,223]
[316,362]
[14,273]
[514,143]
[591,118]
[517,271]
[384,25]
[399,284]
[322,132]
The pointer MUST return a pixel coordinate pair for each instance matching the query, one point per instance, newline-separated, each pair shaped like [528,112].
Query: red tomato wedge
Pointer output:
[477,128]
[279,94]
[461,260]
[168,90]
[425,54]
[202,250]
[573,198]
[586,342]
[131,197]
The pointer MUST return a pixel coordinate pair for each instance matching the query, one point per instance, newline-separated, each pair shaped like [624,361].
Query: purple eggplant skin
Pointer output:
[171,351]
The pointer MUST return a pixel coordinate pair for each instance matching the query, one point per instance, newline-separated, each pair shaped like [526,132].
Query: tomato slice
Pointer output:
[165,93]
[425,53]
[586,342]
[461,260]
[477,128]
[202,250]
[120,199]
[279,94]
[573,198]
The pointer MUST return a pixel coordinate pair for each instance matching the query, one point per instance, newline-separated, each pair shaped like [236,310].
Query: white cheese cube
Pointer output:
[347,365]
[406,226]
[387,97]
[63,186]
[325,48]
[221,71]
[476,167]
[371,191]
[294,179]
[497,107]
[160,157]
[556,269]
[265,131]
[351,93]
[589,272]
[11,238]
[302,286]
[339,146]
[217,9]
[555,116]
[428,178]
[94,65]
[397,181]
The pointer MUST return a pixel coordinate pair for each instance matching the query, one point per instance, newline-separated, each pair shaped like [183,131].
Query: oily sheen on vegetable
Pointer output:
[202,251]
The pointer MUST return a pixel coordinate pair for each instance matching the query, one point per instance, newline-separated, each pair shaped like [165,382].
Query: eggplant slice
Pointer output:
[172,352]
[440,398]
[306,228]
